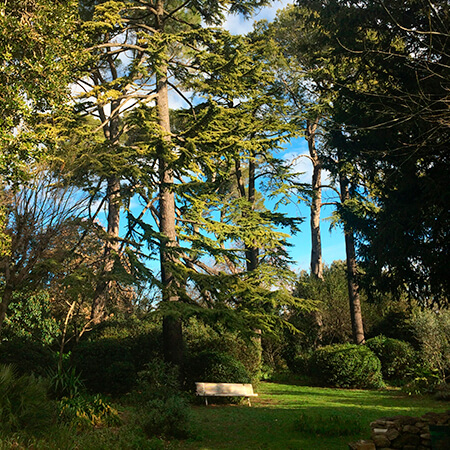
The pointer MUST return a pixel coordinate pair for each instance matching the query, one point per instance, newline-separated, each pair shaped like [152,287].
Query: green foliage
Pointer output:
[169,417]
[84,411]
[213,366]
[215,338]
[23,402]
[398,358]
[162,408]
[105,366]
[30,318]
[27,356]
[64,382]
[432,334]
[346,365]
[158,380]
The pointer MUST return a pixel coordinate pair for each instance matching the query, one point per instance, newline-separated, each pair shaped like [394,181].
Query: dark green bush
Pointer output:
[106,366]
[23,402]
[167,418]
[347,366]
[200,337]
[398,358]
[211,366]
[27,356]
[159,380]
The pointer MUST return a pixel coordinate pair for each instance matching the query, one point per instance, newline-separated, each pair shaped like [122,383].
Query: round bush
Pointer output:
[346,366]
[398,358]
[216,367]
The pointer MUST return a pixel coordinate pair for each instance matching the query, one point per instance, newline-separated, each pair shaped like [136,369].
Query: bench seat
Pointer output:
[225,390]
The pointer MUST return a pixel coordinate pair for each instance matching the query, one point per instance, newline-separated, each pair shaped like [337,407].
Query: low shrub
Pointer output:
[23,402]
[169,417]
[64,382]
[398,358]
[159,380]
[85,411]
[346,366]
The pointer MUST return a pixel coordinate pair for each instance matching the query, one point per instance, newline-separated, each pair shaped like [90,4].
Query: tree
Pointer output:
[390,118]
[37,217]
[39,55]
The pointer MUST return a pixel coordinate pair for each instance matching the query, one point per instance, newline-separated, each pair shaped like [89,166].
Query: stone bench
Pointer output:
[225,390]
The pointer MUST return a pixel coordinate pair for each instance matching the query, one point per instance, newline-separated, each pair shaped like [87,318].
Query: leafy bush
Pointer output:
[159,380]
[216,367]
[432,333]
[23,402]
[86,411]
[398,358]
[26,356]
[64,382]
[201,337]
[347,366]
[170,417]
[106,366]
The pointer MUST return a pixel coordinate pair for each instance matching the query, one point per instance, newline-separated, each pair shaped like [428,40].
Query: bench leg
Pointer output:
[249,404]
[206,401]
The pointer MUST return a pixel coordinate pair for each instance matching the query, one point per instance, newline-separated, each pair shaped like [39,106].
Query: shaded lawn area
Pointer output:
[300,417]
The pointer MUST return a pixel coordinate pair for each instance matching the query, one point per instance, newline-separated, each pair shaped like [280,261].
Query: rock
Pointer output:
[362,445]
[392,434]
[425,436]
[411,429]
[381,441]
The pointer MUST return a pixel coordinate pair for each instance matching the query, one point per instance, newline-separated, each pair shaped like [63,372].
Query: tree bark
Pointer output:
[172,326]
[352,282]
[103,292]
[316,201]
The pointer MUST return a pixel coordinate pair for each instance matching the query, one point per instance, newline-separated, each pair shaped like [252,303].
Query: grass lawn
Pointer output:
[299,417]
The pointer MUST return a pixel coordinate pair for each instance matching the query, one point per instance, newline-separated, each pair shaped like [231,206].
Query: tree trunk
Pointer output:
[172,327]
[353,288]
[316,201]
[103,293]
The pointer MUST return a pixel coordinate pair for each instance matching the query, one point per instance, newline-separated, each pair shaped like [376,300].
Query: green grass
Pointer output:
[282,417]
[300,417]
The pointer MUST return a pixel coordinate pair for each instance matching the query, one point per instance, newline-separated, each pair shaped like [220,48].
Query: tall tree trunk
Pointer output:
[315,209]
[316,201]
[353,288]
[172,327]
[103,293]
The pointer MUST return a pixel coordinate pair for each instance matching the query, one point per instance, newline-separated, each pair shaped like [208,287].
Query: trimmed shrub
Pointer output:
[201,337]
[346,366]
[23,402]
[216,367]
[398,358]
